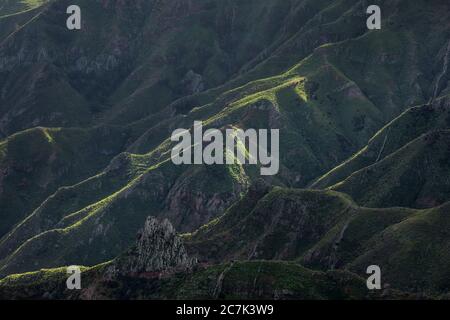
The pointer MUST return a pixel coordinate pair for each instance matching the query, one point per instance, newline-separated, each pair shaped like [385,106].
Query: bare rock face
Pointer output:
[158,250]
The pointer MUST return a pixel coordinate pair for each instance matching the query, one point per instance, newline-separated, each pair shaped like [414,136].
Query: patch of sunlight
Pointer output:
[48,136]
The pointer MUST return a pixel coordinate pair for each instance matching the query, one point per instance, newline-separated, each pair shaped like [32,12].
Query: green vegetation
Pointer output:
[11,7]
[86,117]
[241,280]
[420,165]
[271,280]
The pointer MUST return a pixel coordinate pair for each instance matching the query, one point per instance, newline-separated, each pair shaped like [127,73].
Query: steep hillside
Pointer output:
[426,169]
[203,265]
[414,176]
[86,118]
[323,116]
[99,231]
[277,224]
[157,267]
[274,280]
[52,71]
[405,128]
[36,162]
[325,230]
[414,253]
[134,60]
[274,103]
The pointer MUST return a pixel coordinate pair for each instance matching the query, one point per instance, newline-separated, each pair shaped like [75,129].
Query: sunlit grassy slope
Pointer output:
[8,7]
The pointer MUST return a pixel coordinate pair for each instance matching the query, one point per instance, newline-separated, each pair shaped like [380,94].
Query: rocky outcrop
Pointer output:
[158,250]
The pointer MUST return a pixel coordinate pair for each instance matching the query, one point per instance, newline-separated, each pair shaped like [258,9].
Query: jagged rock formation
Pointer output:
[158,250]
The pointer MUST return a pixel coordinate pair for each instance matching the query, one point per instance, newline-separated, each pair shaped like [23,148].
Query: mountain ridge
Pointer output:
[86,119]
